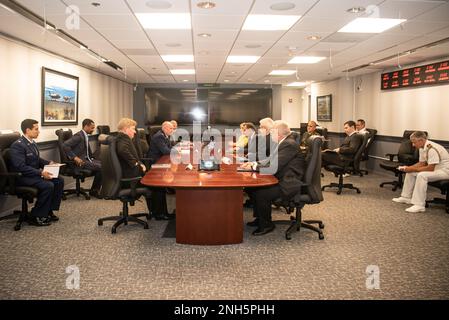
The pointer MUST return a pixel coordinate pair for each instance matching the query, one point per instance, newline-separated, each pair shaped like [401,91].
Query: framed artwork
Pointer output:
[59,98]
[324,108]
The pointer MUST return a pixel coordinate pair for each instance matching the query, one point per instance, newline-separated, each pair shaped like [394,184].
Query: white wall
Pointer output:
[101,98]
[291,111]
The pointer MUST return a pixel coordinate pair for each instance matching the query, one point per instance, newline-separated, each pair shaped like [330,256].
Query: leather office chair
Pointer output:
[144,146]
[365,154]
[350,167]
[310,193]
[302,128]
[297,136]
[8,181]
[443,185]
[71,169]
[406,156]
[323,132]
[152,130]
[114,187]
[103,129]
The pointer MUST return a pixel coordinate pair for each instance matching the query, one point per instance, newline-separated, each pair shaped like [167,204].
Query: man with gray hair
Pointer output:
[287,164]
[433,165]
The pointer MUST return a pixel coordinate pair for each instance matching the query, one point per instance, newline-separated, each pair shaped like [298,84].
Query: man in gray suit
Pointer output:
[77,149]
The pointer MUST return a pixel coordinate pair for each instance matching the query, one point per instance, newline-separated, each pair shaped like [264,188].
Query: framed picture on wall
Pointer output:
[324,108]
[59,98]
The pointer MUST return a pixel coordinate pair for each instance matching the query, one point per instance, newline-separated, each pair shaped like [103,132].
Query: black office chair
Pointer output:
[407,155]
[322,131]
[443,185]
[103,129]
[310,193]
[8,181]
[114,187]
[365,154]
[351,167]
[297,136]
[71,169]
[152,130]
[302,128]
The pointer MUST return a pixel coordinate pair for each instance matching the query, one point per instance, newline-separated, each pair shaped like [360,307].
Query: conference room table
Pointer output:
[209,204]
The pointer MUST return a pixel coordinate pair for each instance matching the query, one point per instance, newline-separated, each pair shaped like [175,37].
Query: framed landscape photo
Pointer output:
[59,98]
[324,108]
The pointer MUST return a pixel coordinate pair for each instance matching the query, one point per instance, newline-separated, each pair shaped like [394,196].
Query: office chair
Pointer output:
[302,128]
[71,169]
[103,129]
[323,132]
[297,136]
[114,187]
[365,154]
[350,166]
[310,193]
[8,181]
[443,185]
[152,130]
[406,156]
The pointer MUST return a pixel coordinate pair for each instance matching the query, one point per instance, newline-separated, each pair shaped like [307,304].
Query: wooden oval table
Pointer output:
[209,204]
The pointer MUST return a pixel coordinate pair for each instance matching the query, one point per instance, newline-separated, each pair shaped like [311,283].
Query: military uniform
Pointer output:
[25,158]
[415,184]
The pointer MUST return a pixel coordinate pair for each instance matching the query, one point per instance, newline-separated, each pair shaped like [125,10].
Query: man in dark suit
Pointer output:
[346,152]
[25,158]
[132,166]
[311,131]
[77,149]
[160,144]
[287,164]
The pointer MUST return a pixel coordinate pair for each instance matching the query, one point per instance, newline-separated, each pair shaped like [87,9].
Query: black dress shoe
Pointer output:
[165,216]
[262,231]
[39,221]
[254,223]
[52,217]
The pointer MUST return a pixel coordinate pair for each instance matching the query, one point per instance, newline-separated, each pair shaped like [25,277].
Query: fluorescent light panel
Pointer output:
[305,59]
[182,71]
[297,84]
[177,58]
[164,20]
[370,25]
[242,59]
[282,72]
[269,22]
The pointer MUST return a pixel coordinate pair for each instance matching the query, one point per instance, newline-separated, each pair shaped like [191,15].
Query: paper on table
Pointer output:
[53,169]
[161,166]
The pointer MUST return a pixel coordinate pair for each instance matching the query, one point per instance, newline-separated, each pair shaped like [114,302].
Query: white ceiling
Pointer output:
[113,31]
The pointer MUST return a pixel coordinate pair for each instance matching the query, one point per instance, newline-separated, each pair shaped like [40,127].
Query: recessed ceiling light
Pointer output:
[282,6]
[177,58]
[269,22]
[182,71]
[185,80]
[282,72]
[155,4]
[313,38]
[356,9]
[305,59]
[297,84]
[242,59]
[243,93]
[226,80]
[266,81]
[164,20]
[204,35]
[206,5]
[370,25]
[96,4]
[250,90]
[173,45]
[252,46]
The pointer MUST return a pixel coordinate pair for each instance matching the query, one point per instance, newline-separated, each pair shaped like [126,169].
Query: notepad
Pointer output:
[161,166]
[53,169]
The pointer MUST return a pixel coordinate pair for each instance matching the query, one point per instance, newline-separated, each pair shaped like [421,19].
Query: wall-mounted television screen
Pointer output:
[215,106]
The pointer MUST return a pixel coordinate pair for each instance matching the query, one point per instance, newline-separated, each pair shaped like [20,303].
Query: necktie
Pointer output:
[87,147]
[36,150]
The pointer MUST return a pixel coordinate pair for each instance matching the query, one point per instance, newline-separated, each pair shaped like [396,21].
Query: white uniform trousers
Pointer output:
[415,184]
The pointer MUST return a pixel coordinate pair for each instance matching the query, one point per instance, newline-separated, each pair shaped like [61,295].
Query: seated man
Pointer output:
[289,171]
[348,149]
[360,126]
[259,149]
[433,165]
[25,158]
[160,144]
[174,139]
[311,131]
[77,149]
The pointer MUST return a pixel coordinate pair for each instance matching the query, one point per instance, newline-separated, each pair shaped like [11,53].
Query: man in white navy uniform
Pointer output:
[433,165]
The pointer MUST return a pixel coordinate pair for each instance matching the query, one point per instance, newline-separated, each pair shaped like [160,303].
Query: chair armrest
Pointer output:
[391,155]
[133,184]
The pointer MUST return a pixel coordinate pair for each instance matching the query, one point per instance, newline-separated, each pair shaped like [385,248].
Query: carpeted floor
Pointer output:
[410,250]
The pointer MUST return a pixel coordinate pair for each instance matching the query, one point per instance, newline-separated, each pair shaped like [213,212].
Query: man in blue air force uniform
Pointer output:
[25,158]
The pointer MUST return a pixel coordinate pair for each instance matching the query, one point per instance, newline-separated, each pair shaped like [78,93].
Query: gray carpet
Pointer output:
[411,251]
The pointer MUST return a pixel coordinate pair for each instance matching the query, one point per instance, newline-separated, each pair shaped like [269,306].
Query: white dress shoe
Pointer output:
[415,208]
[402,200]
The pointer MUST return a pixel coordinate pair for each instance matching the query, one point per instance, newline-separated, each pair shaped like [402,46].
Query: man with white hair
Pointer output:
[433,165]
[160,144]
[287,165]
